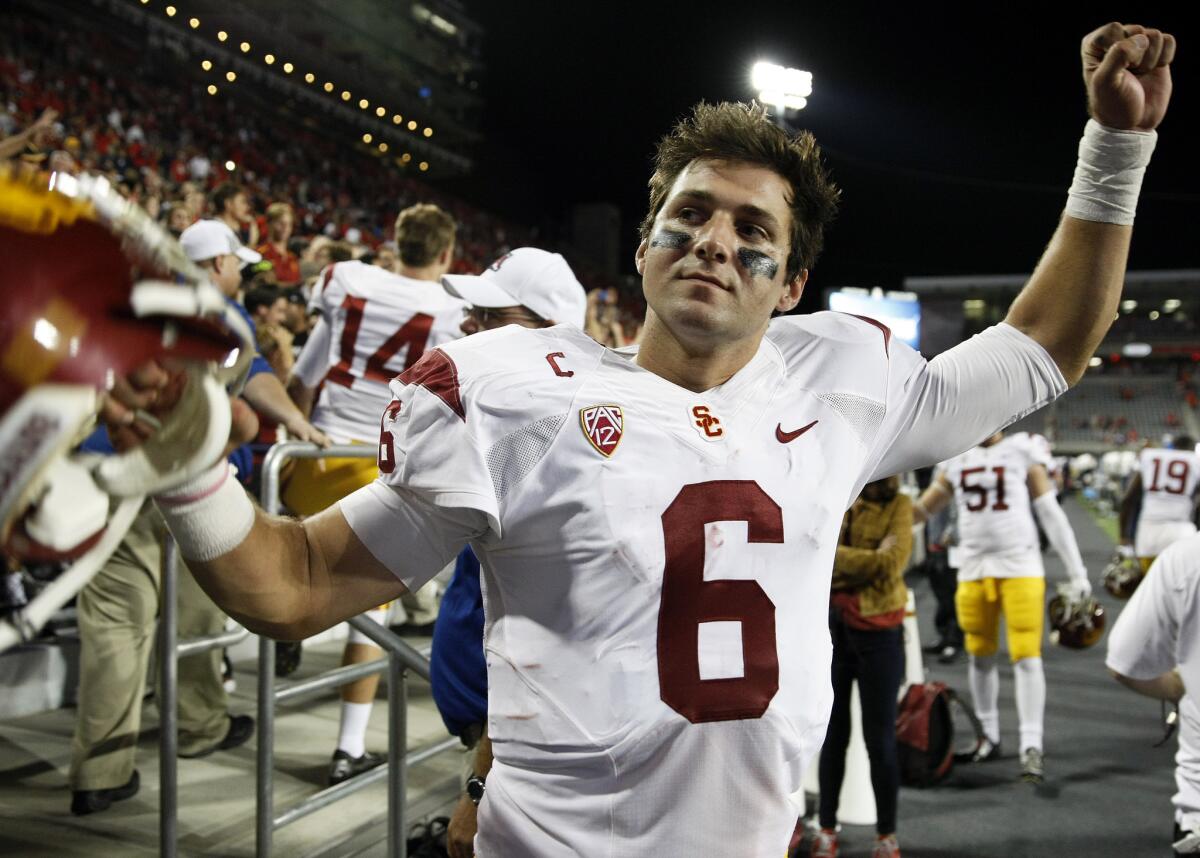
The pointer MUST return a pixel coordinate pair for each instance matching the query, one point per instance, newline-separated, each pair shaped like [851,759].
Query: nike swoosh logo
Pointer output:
[787,437]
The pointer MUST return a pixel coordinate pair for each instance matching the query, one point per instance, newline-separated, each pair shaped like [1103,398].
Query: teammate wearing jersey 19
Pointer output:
[656,526]
[997,487]
[1162,496]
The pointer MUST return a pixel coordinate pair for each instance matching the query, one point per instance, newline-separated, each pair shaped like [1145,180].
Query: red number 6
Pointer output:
[688,600]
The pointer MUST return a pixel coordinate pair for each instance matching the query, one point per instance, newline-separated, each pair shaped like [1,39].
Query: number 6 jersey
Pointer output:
[656,562]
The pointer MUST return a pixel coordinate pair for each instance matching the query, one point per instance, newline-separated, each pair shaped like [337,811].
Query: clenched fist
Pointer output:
[1127,71]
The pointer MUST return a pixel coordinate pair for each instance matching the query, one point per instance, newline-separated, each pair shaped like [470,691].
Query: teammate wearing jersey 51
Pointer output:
[998,486]
[658,652]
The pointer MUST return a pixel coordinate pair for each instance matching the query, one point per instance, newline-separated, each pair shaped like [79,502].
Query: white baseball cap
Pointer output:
[206,239]
[535,279]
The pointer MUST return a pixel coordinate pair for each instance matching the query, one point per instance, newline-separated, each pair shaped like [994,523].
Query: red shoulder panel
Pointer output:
[887,332]
[436,372]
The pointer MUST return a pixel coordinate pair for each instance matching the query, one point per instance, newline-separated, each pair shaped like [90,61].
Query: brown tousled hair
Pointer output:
[731,131]
[423,231]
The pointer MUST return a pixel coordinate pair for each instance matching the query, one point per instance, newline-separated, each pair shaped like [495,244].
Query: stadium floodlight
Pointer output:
[785,88]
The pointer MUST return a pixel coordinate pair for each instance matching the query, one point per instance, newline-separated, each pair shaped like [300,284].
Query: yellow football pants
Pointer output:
[1021,600]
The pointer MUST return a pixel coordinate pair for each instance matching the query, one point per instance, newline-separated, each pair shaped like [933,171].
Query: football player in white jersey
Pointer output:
[1164,487]
[372,325]
[657,524]
[1152,649]
[997,487]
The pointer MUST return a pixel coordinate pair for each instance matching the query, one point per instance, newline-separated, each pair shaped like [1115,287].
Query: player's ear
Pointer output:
[639,257]
[792,290]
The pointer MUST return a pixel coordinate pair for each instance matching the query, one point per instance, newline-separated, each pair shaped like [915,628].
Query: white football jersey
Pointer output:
[997,537]
[656,562]
[1159,629]
[380,324]
[1169,480]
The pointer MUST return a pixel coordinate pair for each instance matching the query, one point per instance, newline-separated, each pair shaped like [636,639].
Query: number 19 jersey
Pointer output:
[655,565]
[380,324]
[1169,479]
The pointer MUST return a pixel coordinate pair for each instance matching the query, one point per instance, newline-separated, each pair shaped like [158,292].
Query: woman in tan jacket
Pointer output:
[866,610]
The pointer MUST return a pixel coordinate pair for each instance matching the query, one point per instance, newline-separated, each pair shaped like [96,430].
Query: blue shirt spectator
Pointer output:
[458,669]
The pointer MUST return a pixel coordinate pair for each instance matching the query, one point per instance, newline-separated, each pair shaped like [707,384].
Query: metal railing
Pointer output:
[170,651]
[400,659]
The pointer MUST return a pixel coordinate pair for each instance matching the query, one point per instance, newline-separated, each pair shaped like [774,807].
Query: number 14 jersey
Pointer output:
[376,324]
[656,565]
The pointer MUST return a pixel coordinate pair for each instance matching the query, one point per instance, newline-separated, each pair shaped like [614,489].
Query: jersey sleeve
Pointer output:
[434,485]
[1143,641]
[327,294]
[939,408]
[407,533]
[313,362]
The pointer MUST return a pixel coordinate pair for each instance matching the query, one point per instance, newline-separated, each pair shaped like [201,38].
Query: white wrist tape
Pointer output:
[1108,175]
[208,515]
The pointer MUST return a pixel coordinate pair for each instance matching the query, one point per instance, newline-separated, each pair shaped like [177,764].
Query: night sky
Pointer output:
[953,139]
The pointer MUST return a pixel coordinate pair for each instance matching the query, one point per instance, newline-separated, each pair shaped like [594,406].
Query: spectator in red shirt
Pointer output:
[280,222]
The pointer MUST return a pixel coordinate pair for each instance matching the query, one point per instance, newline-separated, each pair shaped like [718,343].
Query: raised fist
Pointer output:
[1127,71]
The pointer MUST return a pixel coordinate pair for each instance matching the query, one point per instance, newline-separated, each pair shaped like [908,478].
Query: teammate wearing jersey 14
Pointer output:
[372,324]
[656,559]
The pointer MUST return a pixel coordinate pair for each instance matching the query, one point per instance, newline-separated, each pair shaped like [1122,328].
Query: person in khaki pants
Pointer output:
[118,612]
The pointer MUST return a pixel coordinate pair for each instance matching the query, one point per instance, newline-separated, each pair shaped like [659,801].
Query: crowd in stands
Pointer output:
[75,101]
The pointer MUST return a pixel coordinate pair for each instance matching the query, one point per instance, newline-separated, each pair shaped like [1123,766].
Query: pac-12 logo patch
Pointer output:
[603,426]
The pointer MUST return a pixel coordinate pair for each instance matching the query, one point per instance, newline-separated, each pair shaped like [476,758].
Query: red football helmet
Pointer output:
[1075,623]
[1122,575]
[94,288]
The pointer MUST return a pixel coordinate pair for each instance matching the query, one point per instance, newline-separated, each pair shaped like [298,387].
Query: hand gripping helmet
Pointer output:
[92,288]
[1122,576]
[1075,623]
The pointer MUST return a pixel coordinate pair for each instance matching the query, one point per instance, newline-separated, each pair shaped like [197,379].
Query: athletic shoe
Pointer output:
[886,847]
[85,801]
[343,766]
[1033,770]
[949,654]
[241,728]
[825,844]
[287,657]
[984,752]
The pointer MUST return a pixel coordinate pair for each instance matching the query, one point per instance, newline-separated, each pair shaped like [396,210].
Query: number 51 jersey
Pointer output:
[656,568]
[996,530]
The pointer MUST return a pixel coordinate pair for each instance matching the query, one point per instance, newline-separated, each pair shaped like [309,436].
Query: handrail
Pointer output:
[401,658]
[171,649]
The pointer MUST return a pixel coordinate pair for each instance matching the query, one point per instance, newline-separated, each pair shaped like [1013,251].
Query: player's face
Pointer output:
[714,266]
[477,319]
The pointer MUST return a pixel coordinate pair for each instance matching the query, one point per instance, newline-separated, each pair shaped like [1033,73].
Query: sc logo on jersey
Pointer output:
[706,423]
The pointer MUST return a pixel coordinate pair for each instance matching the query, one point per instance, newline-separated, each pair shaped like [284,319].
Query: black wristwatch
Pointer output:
[475,789]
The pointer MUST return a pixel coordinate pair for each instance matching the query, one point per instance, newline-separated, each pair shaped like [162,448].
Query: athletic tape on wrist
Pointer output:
[1108,174]
[209,515]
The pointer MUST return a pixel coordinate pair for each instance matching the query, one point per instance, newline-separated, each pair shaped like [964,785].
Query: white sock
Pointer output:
[984,679]
[1031,700]
[352,738]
